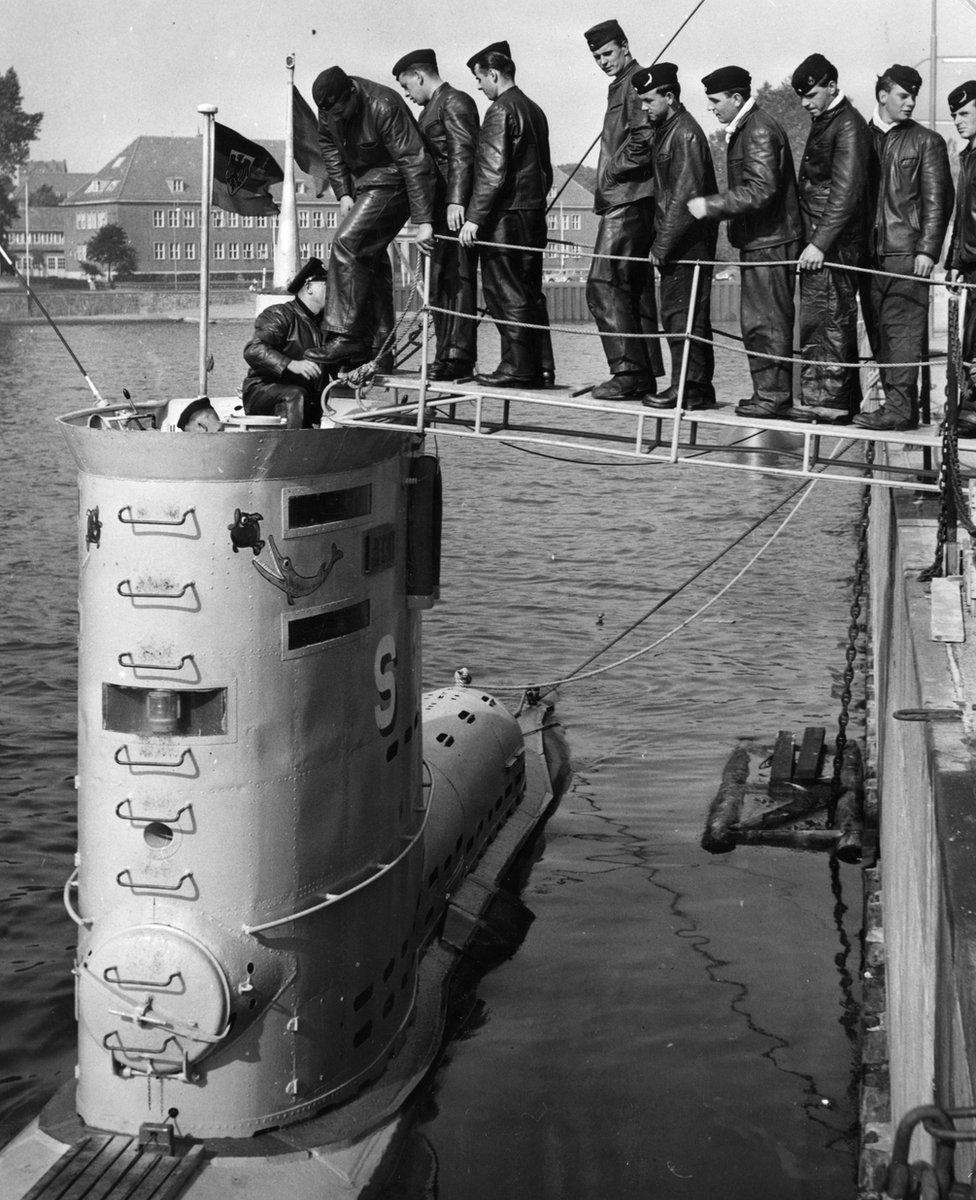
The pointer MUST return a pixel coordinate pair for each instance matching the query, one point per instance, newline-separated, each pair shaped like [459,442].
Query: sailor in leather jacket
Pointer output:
[833,195]
[961,259]
[620,287]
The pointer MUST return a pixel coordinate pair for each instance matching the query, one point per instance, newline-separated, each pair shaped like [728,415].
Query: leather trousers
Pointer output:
[512,284]
[967,384]
[359,291]
[676,280]
[766,314]
[620,295]
[828,333]
[454,285]
[900,316]
[263,398]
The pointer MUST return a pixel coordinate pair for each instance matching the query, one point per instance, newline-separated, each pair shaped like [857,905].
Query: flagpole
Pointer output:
[286,242]
[208,111]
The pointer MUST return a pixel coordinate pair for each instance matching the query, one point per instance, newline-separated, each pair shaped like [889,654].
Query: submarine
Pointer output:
[286,850]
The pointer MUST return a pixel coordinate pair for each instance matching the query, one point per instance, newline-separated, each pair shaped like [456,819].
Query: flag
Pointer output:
[306,134]
[243,172]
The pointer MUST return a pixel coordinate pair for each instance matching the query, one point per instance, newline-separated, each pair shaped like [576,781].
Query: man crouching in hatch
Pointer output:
[281,381]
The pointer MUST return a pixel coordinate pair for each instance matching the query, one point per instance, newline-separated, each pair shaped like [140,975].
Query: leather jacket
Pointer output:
[833,178]
[513,169]
[682,169]
[761,197]
[915,191]
[282,333]
[962,248]
[625,170]
[379,146]
[449,126]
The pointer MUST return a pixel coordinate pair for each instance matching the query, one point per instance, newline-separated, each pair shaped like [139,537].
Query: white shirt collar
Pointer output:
[734,124]
[836,100]
[878,121]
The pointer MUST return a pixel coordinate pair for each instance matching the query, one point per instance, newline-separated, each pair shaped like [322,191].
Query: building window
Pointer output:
[301,188]
[190,250]
[59,266]
[262,250]
[303,218]
[318,249]
[233,249]
[159,251]
[331,220]
[158,219]
[189,218]
[174,218]
[303,249]
[218,218]
[233,220]
[247,222]
[102,219]
[262,222]
[218,249]
[51,262]
[577,221]
[79,220]
[174,249]
[552,221]
[248,250]
[565,220]
[318,219]
[177,185]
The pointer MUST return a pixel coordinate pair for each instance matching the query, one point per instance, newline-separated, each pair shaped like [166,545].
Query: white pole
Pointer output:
[208,111]
[286,242]
[27,249]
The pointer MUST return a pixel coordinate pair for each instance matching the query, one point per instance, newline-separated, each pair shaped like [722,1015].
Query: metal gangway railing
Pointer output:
[571,420]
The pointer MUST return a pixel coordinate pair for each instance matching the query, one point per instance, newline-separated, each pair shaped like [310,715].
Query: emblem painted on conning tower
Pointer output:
[288,579]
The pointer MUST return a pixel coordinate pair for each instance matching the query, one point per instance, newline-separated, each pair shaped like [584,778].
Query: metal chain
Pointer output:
[853,631]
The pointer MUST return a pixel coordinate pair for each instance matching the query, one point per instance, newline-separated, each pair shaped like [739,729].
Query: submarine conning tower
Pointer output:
[252,791]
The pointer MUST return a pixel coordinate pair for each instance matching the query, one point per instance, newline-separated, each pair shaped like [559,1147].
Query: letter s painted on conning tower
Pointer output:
[385,677]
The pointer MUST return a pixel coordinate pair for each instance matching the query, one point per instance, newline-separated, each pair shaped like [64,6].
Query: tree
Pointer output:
[44,197]
[17,130]
[111,248]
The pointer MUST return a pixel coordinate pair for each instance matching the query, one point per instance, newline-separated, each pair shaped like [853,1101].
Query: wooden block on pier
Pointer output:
[781,767]
[947,623]
[808,760]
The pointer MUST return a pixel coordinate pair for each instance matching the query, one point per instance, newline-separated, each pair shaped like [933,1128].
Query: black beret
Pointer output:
[962,95]
[906,77]
[331,86]
[314,269]
[660,75]
[416,58]
[728,79]
[191,410]
[814,71]
[494,48]
[606,31]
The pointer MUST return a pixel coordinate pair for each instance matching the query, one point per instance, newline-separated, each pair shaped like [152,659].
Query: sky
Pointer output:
[104,71]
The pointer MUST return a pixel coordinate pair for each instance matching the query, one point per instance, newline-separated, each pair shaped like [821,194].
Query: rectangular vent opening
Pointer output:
[164,711]
[379,549]
[324,508]
[327,626]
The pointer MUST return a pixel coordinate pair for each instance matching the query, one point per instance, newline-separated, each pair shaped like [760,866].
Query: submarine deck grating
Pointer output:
[113,1167]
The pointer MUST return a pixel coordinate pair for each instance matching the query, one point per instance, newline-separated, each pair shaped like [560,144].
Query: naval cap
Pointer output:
[191,410]
[660,75]
[494,48]
[728,79]
[314,269]
[416,58]
[331,86]
[906,77]
[814,71]
[606,31]
[961,95]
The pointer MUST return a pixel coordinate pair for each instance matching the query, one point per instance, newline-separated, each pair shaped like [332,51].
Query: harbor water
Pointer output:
[672,1024]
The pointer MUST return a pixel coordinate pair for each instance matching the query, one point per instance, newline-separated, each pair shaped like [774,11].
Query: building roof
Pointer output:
[43,219]
[62,183]
[149,169]
[575,195]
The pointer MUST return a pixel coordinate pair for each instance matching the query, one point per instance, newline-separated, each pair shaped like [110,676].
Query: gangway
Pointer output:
[567,419]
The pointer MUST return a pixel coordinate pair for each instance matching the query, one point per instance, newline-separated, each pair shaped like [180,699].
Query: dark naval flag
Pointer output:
[306,134]
[243,172]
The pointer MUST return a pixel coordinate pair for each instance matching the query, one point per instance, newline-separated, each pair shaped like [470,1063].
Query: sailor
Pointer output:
[764,225]
[911,214]
[281,381]
[512,177]
[960,261]
[200,416]
[620,294]
[382,175]
[682,169]
[832,189]
[449,126]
